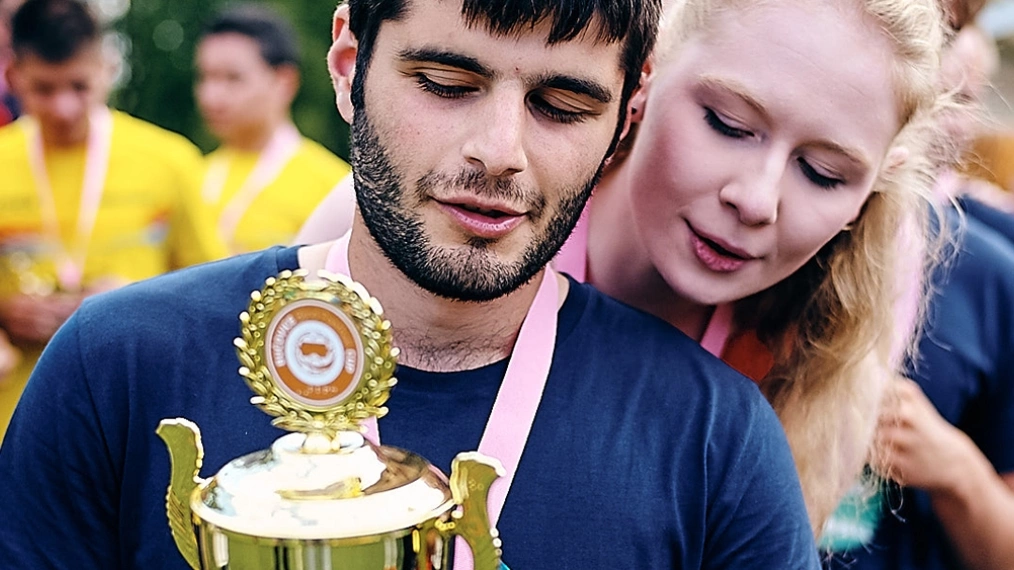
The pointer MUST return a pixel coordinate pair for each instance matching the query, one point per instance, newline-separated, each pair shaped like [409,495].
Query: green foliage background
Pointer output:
[160,40]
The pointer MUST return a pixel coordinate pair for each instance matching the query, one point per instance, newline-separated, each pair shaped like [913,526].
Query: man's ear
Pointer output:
[289,80]
[12,79]
[635,106]
[341,61]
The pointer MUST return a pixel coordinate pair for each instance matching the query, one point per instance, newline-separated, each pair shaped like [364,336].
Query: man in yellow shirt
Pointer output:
[265,179]
[8,105]
[89,198]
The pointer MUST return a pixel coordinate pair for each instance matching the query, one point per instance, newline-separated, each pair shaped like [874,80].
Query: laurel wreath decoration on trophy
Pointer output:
[317,353]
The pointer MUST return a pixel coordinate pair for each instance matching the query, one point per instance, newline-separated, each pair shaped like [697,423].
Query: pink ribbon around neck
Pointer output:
[71,259]
[281,148]
[716,335]
[517,401]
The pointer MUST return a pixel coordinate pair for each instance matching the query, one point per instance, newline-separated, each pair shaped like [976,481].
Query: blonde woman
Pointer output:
[779,147]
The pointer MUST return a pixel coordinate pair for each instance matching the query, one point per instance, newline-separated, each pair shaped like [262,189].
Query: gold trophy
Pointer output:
[318,356]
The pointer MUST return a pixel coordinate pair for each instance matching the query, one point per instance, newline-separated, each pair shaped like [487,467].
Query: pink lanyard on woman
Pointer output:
[71,260]
[284,145]
[719,329]
[517,401]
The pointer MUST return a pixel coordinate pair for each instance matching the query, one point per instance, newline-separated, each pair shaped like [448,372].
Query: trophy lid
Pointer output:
[319,357]
[356,490]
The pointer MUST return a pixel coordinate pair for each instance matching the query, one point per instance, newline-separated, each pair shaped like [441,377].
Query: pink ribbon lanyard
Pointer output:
[70,265]
[517,401]
[282,147]
[718,330]
[573,256]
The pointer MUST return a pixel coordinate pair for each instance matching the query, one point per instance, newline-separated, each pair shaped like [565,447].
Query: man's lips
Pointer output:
[481,219]
[490,209]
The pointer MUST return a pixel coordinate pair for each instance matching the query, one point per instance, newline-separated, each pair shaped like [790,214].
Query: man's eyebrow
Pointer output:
[576,85]
[447,58]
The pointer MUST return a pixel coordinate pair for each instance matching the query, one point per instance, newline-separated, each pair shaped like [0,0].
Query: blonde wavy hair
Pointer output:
[832,326]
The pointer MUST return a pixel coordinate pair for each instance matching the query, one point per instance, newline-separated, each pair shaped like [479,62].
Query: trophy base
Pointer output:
[423,548]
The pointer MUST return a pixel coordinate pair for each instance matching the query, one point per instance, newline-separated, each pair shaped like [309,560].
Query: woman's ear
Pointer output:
[895,159]
[341,61]
[638,99]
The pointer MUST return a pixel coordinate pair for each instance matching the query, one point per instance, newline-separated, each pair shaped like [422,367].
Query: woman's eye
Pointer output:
[816,177]
[555,113]
[441,90]
[722,127]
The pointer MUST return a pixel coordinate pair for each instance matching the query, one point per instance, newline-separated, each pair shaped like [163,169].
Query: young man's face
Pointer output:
[60,95]
[474,153]
[238,93]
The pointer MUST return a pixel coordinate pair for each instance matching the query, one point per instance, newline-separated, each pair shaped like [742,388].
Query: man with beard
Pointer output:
[479,130]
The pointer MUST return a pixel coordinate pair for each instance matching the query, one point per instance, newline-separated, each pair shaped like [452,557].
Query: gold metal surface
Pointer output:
[423,547]
[186,454]
[319,358]
[379,355]
[472,474]
[284,493]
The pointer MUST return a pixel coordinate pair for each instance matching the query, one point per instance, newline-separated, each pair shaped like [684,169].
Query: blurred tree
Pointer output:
[158,38]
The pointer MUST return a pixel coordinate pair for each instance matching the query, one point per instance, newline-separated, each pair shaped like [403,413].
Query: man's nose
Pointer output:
[67,106]
[497,142]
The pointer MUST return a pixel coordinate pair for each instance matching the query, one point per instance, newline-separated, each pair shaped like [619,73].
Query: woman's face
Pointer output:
[760,141]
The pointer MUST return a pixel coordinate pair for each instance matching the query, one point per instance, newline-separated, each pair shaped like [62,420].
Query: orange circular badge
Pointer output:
[314,351]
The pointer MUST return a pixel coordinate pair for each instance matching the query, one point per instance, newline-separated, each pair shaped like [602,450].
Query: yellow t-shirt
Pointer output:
[150,218]
[280,208]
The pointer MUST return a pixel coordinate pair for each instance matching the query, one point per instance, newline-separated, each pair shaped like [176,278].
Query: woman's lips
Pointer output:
[715,256]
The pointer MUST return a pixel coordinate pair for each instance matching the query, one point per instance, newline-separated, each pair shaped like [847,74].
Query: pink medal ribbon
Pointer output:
[517,401]
[718,330]
[71,260]
[282,147]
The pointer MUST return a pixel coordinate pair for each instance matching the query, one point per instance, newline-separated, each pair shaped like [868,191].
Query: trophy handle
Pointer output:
[471,476]
[186,454]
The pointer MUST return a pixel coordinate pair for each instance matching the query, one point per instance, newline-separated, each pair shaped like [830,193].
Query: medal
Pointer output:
[70,260]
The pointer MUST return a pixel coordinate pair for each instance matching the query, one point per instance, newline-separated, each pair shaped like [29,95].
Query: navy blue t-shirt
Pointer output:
[998,221]
[646,452]
[966,368]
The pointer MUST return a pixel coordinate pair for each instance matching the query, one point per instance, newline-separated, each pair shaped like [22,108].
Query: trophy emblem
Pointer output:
[319,358]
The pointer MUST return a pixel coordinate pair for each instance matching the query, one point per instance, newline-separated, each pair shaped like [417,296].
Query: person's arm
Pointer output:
[974,503]
[34,319]
[58,480]
[332,217]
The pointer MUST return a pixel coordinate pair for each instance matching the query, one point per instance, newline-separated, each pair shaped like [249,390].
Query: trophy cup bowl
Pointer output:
[318,356]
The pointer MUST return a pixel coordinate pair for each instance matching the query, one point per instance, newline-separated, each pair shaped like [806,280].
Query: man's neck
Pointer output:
[432,333]
[255,140]
[53,139]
